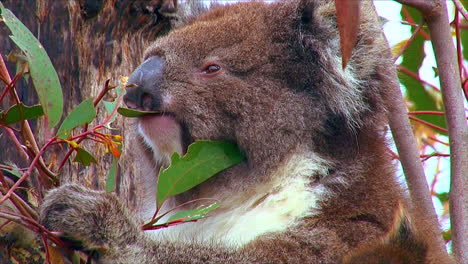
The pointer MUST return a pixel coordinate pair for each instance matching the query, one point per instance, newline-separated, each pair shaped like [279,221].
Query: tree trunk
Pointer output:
[88,42]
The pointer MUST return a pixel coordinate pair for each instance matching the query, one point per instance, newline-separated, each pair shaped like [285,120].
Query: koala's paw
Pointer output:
[94,219]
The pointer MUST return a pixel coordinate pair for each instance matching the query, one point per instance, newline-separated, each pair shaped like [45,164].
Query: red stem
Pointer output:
[428,124]
[426,113]
[416,76]
[29,171]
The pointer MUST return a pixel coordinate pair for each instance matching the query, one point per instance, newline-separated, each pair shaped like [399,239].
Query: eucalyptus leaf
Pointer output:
[44,76]
[194,214]
[82,114]
[203,160]
[464,34]
[13,171]
[84,157]
[21,112]
[112,176]
[134,113]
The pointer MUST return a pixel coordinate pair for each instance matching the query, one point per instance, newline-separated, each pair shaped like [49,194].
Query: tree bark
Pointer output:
[88,42]
[435,14]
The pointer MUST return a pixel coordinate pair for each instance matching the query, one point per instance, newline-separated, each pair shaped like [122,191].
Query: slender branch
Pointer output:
[410,21]
[26,131]
[438,141]
[410,40]
[14,139]
[426,157]
[410,160]
[425,6]
[428,124]
[426,113]
[459,45]
[461,9]
[409,156]
[29,171]
[435,14]
[416,77]
[457,128]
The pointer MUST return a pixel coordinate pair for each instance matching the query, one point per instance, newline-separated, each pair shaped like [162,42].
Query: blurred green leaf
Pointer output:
[443,196]
[13,170]
[464,34]
[84,157]
[194,214]
[112,176]
[20,112]
[76,259]
[80,115]
[447,235]
[416,93]
[44,76]
[203,160]
[134,113]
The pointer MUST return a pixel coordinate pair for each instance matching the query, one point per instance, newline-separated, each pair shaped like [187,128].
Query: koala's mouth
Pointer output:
[164,134]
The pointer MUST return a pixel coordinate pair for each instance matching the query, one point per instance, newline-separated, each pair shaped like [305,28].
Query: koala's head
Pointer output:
[265,76]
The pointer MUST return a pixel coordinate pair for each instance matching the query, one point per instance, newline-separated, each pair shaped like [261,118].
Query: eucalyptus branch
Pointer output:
[440,129]
[425,6]
[410,40]
[410,160]
[416,77]
[29,171]
[26,131]
[435,14]
[461,9]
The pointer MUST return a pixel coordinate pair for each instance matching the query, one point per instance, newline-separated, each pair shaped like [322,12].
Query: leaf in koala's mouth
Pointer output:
[135,113]
[203,160]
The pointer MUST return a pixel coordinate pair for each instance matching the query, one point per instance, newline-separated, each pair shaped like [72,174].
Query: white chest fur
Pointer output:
[272,207]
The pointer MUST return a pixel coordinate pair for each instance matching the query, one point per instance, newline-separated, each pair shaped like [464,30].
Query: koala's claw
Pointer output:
[90,218]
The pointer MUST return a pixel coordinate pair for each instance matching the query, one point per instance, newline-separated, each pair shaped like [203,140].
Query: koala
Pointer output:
[317,184]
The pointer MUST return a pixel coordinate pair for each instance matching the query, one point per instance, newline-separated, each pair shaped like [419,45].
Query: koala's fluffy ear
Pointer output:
[314,46]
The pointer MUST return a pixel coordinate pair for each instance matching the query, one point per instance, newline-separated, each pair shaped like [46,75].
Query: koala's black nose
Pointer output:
[143,85]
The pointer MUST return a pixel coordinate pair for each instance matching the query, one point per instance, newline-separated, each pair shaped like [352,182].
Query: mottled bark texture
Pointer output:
[88,42]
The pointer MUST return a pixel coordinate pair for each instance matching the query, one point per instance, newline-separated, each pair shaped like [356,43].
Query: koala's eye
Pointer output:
[211,69]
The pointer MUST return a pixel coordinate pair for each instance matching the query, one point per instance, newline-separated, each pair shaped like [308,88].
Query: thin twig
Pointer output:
[26,131]
[461,9]
[29,171]
[410,40]
[429,124]
[416,77]
[426,113]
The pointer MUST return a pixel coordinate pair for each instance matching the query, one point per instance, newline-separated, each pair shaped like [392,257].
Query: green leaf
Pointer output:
[112,176]
[194,214]
[134,113]
[44,76]
[81,114]
[13,171]
[447,235]
[84,157]
[21,112]
[415,92]
[76,259]
[464,34]
[203,160]
[443,196]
